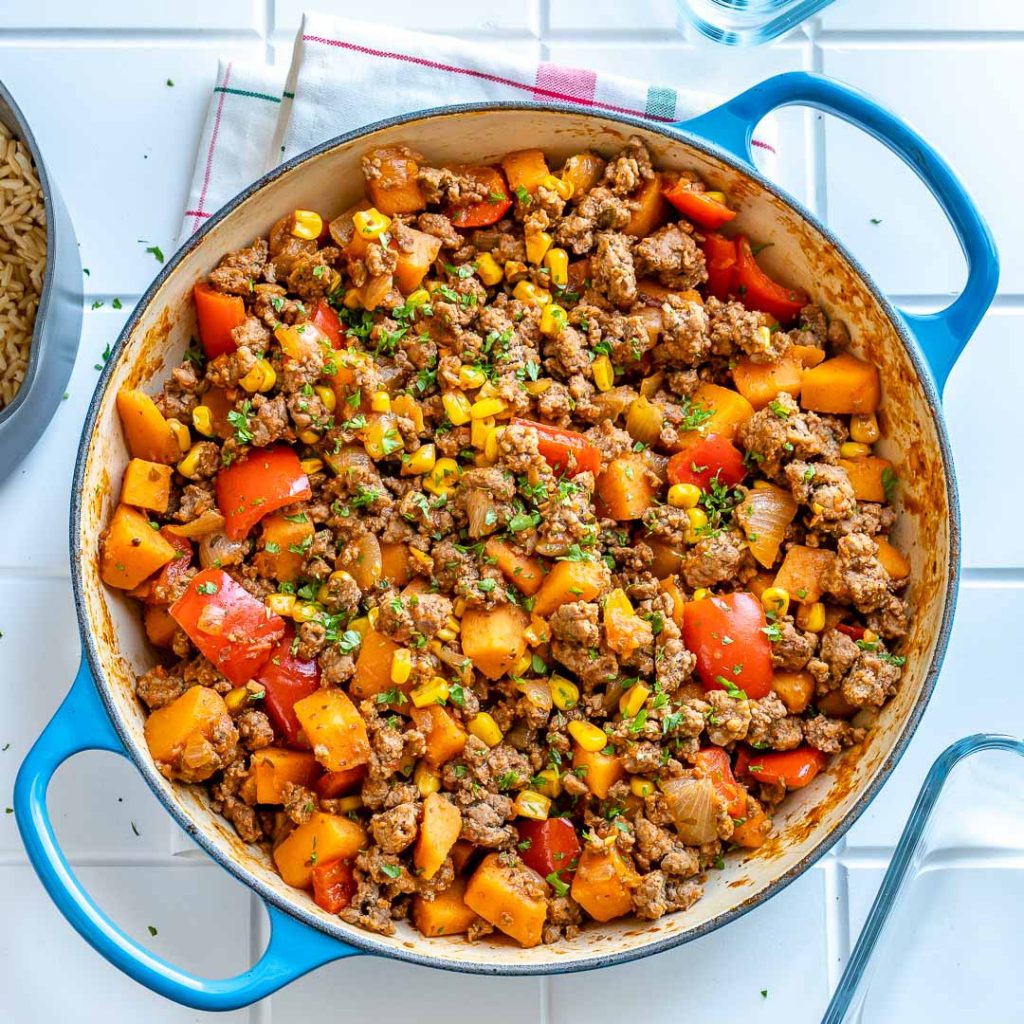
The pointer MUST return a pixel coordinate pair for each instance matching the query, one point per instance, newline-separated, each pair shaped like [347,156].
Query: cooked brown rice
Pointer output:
[22,260]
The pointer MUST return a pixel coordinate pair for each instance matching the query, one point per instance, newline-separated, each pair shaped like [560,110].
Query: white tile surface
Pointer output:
[120,142]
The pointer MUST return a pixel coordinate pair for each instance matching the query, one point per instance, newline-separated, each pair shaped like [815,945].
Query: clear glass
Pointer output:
[748,22]
[942,941]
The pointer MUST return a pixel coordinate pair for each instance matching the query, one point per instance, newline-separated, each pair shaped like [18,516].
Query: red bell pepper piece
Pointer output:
[853,632]
[756,290]
[720,260]
[553,846]
[334,885]
[697,206]
[727,634]
[230,626]
[331,785]
[266,480]
[327,320]
[286,679]
[157,587]
[705,460]
[796,768]
[565,451]
[487,211]
[218,315]
[713,763]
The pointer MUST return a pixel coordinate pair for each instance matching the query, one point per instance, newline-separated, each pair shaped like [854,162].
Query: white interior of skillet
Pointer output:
[329,183]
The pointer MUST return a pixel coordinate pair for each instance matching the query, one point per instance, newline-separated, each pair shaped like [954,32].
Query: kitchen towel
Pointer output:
[346,74]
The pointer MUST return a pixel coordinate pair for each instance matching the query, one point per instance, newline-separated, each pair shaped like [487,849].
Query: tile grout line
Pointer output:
[837,921]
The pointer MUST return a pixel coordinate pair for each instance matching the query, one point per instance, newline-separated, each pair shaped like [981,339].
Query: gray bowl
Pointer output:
[58,322]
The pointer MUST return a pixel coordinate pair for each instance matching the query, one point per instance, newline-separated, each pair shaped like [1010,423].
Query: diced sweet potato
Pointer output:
[868,474]
[650,211]
[667,557]
[760,383]
[729,411]
[806,355]
[795,689]
[148,434]
[335,729]
[525,168]
[843,384]
[446,913]
[603,884]
[600,771]
[801,572]
[755,830]
[413,263]
[445,737]
[284,544]
[146,485]
[624,630]
[525,573]
[626,488]
[835,705]
[570,581]
[160,625]
[395,189]
[493,638]
[760,582]
[441,825]
[892,559]
[324,838]
[510,897]
[179,735]
[583,171]
[274,766]
[461,853]
[396,567]
[132,549]
[373,666]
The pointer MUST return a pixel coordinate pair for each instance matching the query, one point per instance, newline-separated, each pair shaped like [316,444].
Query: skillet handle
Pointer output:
[943,335]
[81,723]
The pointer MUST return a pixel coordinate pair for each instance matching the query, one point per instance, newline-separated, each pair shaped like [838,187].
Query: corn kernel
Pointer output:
[422,559]
[641,787]
[633,700]
[487,407]
[282,604]
[553,319]
[457,406]
[401,665]
[491,443]
[700,593]
[528,292]
[433,691]
[870,636]
[548,782]
[588,736]
[604,375]
[446,634]
[817,508]
[308,225]
[373,615]
[262,377]
[426,779]
[237,699]
[202,420]
[537,245]
[561,186]
[811,617]
[515,270]
[181,434]
[311,466]
[306,611]
[531,804]
[443,478]
[538,387]
[864,427]
[327,397]
[435,647]
[775,599]
[854,449]
[478,431]
[189,465]
[698,519]
[348,804]
[471,377]
[309,437]
[522,666]
[380,401]
[718,197]
[371,223]
[765,334]
[536,633]
[684,495]
[485,728]
[459,607]
[353,299]
[420,461]
[360,625]
[487,269]
[557,262]
[565,694]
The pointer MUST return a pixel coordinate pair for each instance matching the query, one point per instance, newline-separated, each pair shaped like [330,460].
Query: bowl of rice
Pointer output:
[40,290]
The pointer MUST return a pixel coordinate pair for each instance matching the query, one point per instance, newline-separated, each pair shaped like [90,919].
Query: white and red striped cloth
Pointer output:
[346,74]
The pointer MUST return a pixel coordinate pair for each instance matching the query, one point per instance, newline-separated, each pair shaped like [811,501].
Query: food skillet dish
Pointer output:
[514,542]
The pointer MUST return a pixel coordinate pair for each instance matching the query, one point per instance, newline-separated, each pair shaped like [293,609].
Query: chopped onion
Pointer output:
[614,403]
[481,511]
[643,421]
[211,521]
[691,802]
[217,550]
[765,514]
[537,692]
[362,558]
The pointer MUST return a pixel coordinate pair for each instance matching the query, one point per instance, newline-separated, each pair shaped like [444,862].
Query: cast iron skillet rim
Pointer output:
[358,937]
[24,131]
